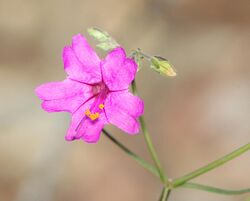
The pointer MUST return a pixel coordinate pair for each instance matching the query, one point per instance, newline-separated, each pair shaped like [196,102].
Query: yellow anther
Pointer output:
[87,112]
[97,115]
[101,106]
[94,116]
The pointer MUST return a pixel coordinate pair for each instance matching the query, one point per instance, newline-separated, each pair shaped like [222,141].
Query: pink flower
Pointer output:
[95,92]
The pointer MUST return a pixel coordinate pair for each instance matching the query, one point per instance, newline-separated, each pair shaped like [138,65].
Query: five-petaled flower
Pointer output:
[95,92]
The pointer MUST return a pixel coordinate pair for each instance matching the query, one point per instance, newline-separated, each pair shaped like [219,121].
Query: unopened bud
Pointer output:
[106,41]
[106,46]
[98,34]
[162,66]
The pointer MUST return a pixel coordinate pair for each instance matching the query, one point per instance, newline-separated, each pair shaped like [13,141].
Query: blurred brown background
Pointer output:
[194,118]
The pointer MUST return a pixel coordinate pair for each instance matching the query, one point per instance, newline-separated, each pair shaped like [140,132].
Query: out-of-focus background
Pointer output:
[194,118]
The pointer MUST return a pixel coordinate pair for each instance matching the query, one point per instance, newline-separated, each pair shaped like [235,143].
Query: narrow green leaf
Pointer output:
[180,181]
[212,189]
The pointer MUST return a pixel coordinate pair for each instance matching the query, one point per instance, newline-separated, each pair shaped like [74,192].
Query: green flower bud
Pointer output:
[106,41]
[98,34]
[162,66]
[106,46]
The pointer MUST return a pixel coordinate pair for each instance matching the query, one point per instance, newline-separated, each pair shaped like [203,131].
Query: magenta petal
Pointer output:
[118,71]
[122,109]
[57,90]
[63,96]
[81,62]
[84,128]
[66,104]
[91,130]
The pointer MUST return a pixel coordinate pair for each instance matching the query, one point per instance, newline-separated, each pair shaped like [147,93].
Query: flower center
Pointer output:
[101,91]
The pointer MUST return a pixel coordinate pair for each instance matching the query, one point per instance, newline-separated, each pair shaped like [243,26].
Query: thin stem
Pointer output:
[139,52]
[163,189]
[145,55]
[142,162]
[169,192]
[150,144]
[165,194]
[152,150]
[210,166]
[215,189]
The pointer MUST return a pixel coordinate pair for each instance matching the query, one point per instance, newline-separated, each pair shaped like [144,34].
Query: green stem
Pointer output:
[145,55]
[165,194]
[150,144]
[163,189]
[210,166]
[214,189]
[169,191]
[139,52]
[152,150]
[142,162]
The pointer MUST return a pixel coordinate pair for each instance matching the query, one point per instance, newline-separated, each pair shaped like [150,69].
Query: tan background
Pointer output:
[194,118]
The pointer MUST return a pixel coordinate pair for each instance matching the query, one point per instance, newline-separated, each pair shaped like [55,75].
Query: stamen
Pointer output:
[92,116]
[87,112]
[101,106]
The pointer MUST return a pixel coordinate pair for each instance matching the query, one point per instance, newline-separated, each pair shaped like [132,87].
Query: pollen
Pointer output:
[101,106]
[92,116]
[87,112]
